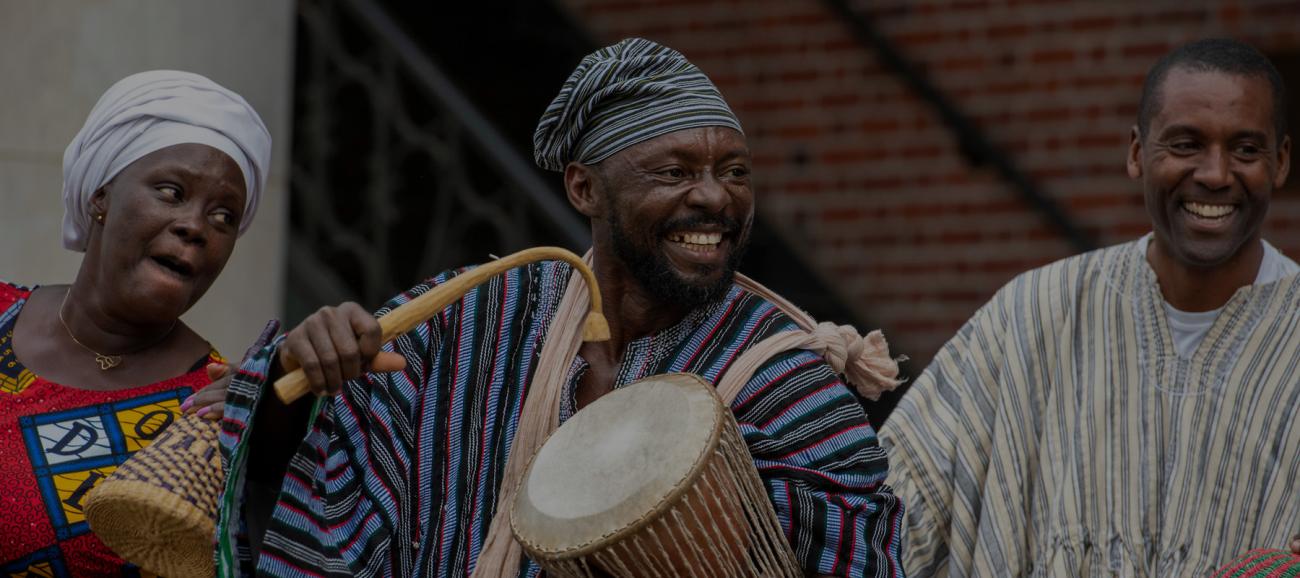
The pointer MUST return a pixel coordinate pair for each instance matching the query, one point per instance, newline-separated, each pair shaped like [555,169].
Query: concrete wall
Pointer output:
[57,58]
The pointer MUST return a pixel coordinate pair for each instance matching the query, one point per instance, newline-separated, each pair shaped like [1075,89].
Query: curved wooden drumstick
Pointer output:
[416,311]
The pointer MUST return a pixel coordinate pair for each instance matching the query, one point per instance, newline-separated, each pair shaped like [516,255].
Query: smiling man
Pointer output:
[400,474]
[1132,411]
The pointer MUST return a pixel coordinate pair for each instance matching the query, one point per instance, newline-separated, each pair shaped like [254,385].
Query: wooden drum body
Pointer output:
[650,480]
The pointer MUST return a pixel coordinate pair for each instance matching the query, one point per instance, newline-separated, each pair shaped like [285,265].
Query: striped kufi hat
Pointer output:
[622,95]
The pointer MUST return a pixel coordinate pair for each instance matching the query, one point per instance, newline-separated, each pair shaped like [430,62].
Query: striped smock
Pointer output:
[398,476]
[1061,434]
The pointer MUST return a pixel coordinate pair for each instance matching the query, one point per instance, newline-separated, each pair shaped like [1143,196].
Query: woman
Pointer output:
[157,186]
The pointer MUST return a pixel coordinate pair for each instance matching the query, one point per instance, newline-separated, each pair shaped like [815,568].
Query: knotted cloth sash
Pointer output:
[863,360]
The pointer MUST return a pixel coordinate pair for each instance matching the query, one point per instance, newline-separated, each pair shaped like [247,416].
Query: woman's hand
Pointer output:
[335,345]
[210,402]
[1295,544]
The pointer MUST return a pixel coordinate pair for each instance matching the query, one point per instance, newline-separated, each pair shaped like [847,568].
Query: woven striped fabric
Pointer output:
[1061,434]
[399,475]
[1263,563]
[624,94]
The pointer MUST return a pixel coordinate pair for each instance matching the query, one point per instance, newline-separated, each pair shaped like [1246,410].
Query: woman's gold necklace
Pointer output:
[106,362]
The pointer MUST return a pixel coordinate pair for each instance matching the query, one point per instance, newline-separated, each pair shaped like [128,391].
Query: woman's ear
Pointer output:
[581,185]
[99,204]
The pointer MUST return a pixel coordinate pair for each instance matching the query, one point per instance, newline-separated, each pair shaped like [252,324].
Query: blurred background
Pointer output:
[910,156]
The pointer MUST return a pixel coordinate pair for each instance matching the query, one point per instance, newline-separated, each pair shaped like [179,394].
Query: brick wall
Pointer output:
[862,176]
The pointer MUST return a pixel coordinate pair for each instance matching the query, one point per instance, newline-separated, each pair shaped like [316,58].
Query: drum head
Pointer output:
[616,464]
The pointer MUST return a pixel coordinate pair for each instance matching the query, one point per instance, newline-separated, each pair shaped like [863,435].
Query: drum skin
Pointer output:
[711,514]
[650,480]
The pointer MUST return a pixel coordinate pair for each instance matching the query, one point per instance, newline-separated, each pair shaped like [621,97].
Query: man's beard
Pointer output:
[652,270]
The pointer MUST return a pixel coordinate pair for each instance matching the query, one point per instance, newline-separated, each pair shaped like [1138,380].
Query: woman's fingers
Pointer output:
[212,412]
[217,371]
[209,402]
[203,398]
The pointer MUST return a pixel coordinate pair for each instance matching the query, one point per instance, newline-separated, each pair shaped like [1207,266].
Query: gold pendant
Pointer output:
[107,362]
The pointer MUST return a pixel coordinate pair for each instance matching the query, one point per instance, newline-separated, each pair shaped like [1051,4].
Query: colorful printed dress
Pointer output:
[56,443]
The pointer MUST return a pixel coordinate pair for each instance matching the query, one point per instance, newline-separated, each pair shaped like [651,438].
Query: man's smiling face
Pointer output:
[680,209]
[1209,163]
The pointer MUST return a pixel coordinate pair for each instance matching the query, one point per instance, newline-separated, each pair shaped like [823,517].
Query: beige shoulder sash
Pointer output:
[864,361]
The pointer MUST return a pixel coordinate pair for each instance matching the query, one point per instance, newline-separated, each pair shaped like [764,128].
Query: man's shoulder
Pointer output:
[544,270]
[751,307]
[748,312]
[546,279]
[1070,276]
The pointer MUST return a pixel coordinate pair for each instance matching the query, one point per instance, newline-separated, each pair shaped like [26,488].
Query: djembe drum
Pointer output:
[650,480]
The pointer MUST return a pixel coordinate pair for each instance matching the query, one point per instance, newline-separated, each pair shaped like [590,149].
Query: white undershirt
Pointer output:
[1189,327]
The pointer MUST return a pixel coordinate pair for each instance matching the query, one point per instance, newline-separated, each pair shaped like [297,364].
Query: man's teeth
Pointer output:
[696,238]
[1209,211]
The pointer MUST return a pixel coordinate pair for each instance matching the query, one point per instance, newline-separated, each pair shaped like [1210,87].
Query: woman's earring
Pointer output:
[99,218]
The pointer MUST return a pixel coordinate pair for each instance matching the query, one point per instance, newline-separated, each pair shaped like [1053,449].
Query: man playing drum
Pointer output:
[400,469]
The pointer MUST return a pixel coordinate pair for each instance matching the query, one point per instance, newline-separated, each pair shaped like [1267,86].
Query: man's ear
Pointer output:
[1283,162]
[582,188]
[1134,153]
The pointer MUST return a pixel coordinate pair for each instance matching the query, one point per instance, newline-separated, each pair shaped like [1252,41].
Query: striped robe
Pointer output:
[399,475]
[1060,434]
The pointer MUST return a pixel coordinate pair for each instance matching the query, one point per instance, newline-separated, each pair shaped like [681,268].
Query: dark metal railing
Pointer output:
[396,175]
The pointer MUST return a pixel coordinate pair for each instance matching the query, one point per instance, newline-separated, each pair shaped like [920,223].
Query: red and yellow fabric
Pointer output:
[57,443]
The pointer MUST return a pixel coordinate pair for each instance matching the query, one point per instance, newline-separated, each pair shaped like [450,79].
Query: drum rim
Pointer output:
[686,483]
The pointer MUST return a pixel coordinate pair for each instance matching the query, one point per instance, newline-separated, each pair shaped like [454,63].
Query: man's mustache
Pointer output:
[727,224]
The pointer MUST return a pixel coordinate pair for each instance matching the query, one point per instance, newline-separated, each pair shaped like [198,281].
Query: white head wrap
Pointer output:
[153,110]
